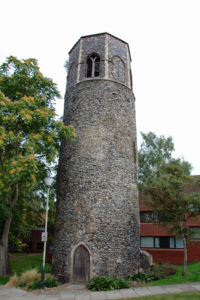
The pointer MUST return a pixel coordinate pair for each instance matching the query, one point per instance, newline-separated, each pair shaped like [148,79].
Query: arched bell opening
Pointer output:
[93,65]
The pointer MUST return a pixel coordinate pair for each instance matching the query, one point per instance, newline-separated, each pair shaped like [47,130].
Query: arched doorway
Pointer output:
[81,264]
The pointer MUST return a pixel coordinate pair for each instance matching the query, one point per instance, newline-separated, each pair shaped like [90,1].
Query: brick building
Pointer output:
[34,241]
[160,244]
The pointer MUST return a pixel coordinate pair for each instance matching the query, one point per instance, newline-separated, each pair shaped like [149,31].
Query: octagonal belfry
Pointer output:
[97,214]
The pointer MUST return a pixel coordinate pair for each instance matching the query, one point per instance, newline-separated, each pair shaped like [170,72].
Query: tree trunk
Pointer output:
[4,259]
[185,257]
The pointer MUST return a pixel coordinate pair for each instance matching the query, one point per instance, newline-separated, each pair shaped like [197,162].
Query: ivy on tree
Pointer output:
[30,137]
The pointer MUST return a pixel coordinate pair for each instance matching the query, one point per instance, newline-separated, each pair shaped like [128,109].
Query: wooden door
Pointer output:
[81,272]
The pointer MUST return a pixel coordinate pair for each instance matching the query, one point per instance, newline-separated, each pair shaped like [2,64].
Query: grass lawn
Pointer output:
[22,262]
[192,275]
[4,280]
[182,296]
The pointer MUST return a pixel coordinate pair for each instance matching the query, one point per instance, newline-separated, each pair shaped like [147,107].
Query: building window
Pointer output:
[192,207]
[161,216]
[171,242]
[149,217]
[146,216]
[195,233]
[147,242]
[179,243]
[93,65]
[162,242]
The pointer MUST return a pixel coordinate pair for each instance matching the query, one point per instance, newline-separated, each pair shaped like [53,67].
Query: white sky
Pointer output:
[164,39]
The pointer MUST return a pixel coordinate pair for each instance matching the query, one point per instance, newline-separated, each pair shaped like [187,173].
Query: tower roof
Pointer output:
[97,34]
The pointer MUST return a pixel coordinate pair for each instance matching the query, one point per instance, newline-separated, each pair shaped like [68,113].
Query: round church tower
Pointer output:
[97,214]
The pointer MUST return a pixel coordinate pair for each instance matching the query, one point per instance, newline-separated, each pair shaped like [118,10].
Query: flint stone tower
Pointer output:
[97,215]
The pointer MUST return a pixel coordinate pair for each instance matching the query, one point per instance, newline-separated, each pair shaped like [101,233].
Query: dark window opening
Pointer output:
[146,216]
[164,242]
[93,65]
[162,216]
[89,68]
[97,66]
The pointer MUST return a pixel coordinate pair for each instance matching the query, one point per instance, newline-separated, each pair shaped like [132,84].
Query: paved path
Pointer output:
[75,292]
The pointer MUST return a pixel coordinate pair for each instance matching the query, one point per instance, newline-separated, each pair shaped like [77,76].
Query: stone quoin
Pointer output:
[97,212]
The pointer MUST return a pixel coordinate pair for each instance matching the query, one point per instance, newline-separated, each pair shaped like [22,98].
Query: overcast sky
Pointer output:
[164,39]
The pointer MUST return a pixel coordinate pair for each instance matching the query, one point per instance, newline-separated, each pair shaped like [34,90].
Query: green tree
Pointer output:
[153,153]
[29,139]
[171,201]
[28,214]
[167,180]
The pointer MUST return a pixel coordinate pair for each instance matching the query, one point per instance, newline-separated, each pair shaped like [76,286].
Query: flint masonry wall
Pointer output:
[97,199]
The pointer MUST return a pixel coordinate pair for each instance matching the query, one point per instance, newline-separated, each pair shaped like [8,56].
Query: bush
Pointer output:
[121,283]
[35,285]
[157,272]
[21,284]
[101,283]
[31,279]
[164,270]
[49,283]
[30,276]
[25,279]
[13,281]
[143,277]
[105,283]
